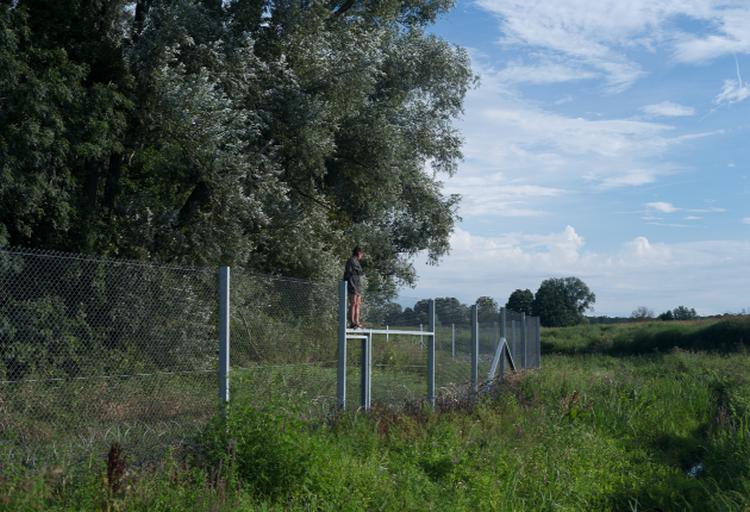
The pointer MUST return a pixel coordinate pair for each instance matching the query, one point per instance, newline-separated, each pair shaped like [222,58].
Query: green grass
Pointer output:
[618,418]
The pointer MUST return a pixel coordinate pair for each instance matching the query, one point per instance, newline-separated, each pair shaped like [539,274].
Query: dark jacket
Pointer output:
[352,276]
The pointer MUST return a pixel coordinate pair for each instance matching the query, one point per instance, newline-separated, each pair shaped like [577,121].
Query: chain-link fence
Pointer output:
[399,362]
[283,341]
[399,366]
[523,334]
[97,350]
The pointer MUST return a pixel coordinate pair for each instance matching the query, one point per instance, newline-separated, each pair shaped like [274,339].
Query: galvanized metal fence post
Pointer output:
[538,342]
[503,321]
[341,370]
[366,373]
[503,336]
[474,350]
[421,338]
[514,336]
[224,334]
[431,352]
[524,341]
[453,341]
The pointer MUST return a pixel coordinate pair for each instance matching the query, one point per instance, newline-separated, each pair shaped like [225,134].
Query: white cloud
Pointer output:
[519,156]
[632,178]
[709,275]
[664,207]
[733,91]
[713,209]
[661,206]
[668,109]
[729,31]
[693,217]
[668,224]
[642,248]
[491,194]
[544,73]
[600,34]
[746,220]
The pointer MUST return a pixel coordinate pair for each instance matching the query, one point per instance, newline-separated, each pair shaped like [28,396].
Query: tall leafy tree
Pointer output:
[520,301]
[667,315]
[684,313]
[269,135]
[450,310]
[562,301]
[642,313]
[487,309]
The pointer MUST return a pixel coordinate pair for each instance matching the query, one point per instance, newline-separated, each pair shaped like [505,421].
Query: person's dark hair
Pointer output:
[357,250]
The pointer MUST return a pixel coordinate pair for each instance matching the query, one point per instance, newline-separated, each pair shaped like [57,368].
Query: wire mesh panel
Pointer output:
[526,353]
[489,336]
[513,328]
[283,347]
[97,350]
[534,348]
[453,357]
[399,362]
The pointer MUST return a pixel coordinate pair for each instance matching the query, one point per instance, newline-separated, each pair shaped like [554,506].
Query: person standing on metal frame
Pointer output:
[352,276]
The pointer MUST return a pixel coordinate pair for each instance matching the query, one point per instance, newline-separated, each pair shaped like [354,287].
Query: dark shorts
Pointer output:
[352,291]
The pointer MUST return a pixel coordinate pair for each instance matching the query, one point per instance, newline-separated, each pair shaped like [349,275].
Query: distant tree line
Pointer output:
[448,310]
[643,313]
[558,302]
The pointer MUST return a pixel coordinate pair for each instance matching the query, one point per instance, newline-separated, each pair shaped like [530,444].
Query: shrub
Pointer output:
[270,453]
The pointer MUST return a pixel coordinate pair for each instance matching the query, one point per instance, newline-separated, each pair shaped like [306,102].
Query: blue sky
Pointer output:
[608,139]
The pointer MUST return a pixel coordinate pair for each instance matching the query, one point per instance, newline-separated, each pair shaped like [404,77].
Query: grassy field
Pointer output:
[625,417]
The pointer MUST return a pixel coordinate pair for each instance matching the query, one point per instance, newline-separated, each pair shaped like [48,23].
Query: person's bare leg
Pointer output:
[352,303]
[356,309]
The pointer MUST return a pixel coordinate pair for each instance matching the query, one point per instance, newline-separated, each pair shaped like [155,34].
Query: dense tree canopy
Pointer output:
[679,313]
[269,135]
[642,313]
[684,313]
[562,301]
[487,309]
[667,315]
[520,301]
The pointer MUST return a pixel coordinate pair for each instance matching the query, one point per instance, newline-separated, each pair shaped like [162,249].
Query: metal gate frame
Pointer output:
[366,336]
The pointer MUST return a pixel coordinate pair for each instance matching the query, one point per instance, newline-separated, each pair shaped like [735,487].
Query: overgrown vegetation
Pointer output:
[605,425]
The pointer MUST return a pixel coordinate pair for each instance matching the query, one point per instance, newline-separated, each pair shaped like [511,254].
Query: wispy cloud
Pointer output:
[668,109]
[519,155]
[733,91]
[542,73]
[746,220]
[494,195]
[600,35]
[664,207]
[661,206]
[728,33]
[668,224]
[622,278]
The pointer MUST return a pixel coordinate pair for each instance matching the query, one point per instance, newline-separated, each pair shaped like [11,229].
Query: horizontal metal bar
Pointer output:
[389,331]
[356,336]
